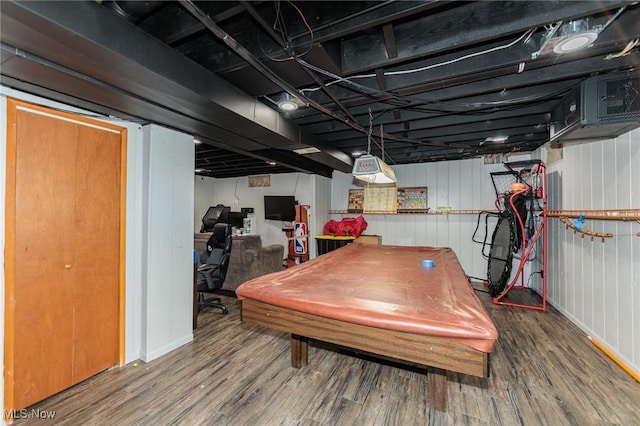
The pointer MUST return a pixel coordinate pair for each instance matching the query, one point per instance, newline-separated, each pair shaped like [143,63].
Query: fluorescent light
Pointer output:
[498,139]
[371,169]
[309,150]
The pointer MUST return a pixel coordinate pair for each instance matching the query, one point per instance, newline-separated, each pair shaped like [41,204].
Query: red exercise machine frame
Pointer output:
[532,173]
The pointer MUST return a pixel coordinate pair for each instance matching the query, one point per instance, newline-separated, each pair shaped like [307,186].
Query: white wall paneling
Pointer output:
[167,240]
[205,190]
[596,284]
[319,214]
[461,185]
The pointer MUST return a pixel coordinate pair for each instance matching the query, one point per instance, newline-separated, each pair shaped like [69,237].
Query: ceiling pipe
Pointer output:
[132,11]
[254,13]
[273,77]
[255,63]
[265,26]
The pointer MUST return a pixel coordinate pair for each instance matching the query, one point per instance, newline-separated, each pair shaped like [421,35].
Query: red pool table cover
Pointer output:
[384,287]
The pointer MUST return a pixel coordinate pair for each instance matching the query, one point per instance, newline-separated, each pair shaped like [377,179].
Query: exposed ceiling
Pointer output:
[443,78]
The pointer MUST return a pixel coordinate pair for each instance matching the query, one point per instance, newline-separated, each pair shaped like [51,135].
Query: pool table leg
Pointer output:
[437,388]
[299,351]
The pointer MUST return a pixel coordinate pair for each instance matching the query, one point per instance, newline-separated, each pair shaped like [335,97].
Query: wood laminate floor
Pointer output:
[544,372]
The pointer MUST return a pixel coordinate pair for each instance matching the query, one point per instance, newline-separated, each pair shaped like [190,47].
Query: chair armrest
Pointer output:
[266,260]
[238,271]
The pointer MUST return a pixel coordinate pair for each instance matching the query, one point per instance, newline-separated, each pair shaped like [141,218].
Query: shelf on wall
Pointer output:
[402,212]
[617,214]
[584,232]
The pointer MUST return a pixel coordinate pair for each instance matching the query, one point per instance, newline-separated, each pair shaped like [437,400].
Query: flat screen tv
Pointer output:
[280,207]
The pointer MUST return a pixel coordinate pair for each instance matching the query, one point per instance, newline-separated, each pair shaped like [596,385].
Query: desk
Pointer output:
[379,299]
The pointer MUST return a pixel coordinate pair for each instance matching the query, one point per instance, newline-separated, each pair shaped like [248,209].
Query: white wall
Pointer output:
[205,190]
[461,185]
[167,250]
[236,193]
[596,284]
[319,215]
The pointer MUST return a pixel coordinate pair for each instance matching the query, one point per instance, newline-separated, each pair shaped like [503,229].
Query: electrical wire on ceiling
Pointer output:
[526,36]
[241,51]
[403,102]
[279,26]
[394,99]
[503,105]
[359,87]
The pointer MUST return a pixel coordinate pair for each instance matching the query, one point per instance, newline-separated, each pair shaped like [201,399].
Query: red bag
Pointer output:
[347,227]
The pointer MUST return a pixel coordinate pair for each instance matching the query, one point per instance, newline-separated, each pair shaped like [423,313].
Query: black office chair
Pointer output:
[214,263]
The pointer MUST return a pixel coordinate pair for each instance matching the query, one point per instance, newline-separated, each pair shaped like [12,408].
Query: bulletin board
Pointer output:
[356,200]
[380,198]
[388,199]
[413,198]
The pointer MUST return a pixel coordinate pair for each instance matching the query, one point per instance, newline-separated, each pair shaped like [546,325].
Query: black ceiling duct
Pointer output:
[133,11]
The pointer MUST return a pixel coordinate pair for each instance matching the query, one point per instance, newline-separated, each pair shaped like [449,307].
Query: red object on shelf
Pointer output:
[347,227]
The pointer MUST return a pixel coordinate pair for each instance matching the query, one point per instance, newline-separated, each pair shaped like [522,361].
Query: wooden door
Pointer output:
[64,252]
[43,253]
[97,256]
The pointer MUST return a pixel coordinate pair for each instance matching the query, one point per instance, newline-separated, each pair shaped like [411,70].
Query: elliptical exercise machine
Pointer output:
[521,231]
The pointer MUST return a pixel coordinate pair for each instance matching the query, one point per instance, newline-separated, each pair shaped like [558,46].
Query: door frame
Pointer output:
[13,105]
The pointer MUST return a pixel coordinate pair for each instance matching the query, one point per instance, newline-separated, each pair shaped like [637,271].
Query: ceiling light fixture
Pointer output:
[498,139]
[288,103]
[562,38]
[575,42]
[308,150]
[495,139]
[371,169]
[575,36]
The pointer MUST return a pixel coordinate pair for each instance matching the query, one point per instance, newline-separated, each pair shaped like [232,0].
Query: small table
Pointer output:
[327,243]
